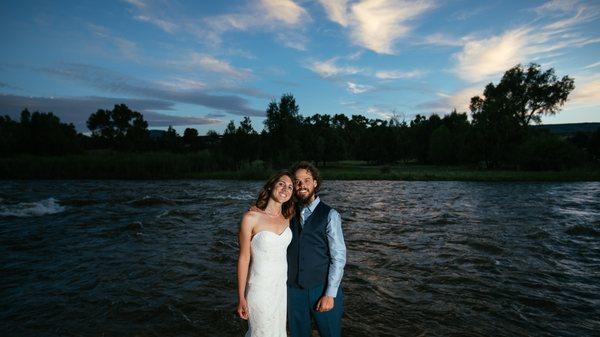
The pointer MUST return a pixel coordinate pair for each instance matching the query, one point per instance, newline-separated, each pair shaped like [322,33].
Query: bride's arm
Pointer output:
[245,236]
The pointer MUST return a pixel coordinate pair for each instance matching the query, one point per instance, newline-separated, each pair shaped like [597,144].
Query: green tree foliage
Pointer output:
[283,131]
[440,146]
[171,141]
[38,133]
[501,117]
[242,144]
[545,151]
[498,134]
[120,128]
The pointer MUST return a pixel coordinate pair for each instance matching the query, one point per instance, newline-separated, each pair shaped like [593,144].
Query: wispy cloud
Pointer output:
[593,65]
[9,86]
[140,4]
[397,74]
[587,94]
[285,18]
[213,64]
[77,110]
[126,47]
[485,58]
[286,11]
[292,40]
[157,15]
[377,24]
[113,82]
[167,26]
[337,11]
[356,88]
[330,68]
[446,102]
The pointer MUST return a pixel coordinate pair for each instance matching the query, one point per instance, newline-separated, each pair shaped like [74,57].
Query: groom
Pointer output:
[316,258]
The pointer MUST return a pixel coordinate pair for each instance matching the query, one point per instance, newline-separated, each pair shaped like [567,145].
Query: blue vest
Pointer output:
[308,252]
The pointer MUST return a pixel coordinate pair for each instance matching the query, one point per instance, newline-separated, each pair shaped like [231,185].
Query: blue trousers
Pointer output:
[301,312]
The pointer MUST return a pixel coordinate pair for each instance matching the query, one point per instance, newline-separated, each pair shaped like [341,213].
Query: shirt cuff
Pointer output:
[331,291]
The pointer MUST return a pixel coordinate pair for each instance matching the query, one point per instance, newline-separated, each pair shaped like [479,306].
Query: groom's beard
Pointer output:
[306,199]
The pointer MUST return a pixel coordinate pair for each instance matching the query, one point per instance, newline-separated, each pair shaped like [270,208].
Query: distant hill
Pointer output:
[569,128]
[154,134]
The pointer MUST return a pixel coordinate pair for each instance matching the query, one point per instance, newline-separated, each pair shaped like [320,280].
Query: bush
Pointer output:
[547,152]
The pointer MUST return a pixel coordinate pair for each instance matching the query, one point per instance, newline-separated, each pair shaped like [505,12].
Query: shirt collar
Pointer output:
[312,205]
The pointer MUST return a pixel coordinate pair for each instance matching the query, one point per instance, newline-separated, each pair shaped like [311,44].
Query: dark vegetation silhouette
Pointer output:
[499,135]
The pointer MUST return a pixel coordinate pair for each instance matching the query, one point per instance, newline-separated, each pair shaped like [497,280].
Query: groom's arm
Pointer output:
[337,251]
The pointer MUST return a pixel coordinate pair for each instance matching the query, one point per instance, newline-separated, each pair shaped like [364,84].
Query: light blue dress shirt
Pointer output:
[337,247]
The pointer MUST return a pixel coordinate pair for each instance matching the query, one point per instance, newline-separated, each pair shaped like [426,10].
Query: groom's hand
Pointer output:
[325,303]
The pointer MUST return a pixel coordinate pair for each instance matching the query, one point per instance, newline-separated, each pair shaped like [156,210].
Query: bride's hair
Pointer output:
[288,208]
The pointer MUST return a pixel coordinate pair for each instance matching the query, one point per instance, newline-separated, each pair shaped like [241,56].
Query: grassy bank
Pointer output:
[204,166]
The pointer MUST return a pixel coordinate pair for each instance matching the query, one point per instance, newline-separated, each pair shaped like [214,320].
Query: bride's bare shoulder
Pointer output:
[251,216]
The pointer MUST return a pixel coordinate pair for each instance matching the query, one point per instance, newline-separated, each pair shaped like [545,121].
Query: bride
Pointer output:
[262,263]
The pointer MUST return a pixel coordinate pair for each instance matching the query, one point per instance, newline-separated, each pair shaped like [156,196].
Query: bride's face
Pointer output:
[283,189]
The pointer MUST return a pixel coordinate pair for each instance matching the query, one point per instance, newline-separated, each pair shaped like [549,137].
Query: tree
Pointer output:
[531,93]
[502,116]
[190,139]
[119,128]
[283,124]
[440,146]
[171,141]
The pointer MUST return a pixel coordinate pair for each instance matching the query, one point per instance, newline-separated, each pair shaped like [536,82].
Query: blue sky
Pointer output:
[202,63]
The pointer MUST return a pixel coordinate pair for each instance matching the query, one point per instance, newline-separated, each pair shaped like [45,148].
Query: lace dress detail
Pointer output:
[266,292]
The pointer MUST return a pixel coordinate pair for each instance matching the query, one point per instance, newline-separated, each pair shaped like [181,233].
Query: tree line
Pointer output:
[498,133]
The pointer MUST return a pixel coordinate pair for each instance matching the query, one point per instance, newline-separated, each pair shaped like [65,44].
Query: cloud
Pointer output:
[113,82]
[396,74]
[358,88]
[77,110]
[329,68]
[212,64]
[337,11]
[165,25]
[440,39]
[458,100]
[158,15]
[282,17]
[381,112]
[587,90]
[556,6]
[481,59]
[286,11]
[593,65]
[127,48]
[9,86]
[137,3]
[292,40]
[554,32]
[377,24]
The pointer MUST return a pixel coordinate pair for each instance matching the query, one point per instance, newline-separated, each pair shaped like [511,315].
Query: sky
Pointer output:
[201,64]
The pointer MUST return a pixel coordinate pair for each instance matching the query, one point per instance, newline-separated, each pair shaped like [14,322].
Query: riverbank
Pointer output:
[204,166]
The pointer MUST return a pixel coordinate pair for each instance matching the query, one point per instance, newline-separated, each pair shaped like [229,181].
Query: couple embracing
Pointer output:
[292,257]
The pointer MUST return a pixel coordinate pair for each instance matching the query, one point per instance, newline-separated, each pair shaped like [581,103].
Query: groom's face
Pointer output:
[304,185]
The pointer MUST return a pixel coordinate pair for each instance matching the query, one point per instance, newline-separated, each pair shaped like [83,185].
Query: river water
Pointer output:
[157,258]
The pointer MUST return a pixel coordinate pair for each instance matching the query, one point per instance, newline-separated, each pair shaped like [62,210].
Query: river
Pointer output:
[158,258]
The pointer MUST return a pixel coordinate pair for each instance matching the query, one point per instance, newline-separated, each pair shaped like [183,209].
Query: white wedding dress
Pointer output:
[266,292]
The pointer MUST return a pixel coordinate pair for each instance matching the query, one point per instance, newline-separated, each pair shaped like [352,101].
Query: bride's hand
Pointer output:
[242,309]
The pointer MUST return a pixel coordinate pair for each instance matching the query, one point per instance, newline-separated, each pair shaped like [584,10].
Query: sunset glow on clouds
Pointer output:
[200,64]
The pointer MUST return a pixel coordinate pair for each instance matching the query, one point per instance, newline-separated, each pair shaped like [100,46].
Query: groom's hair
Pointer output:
[314,172]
